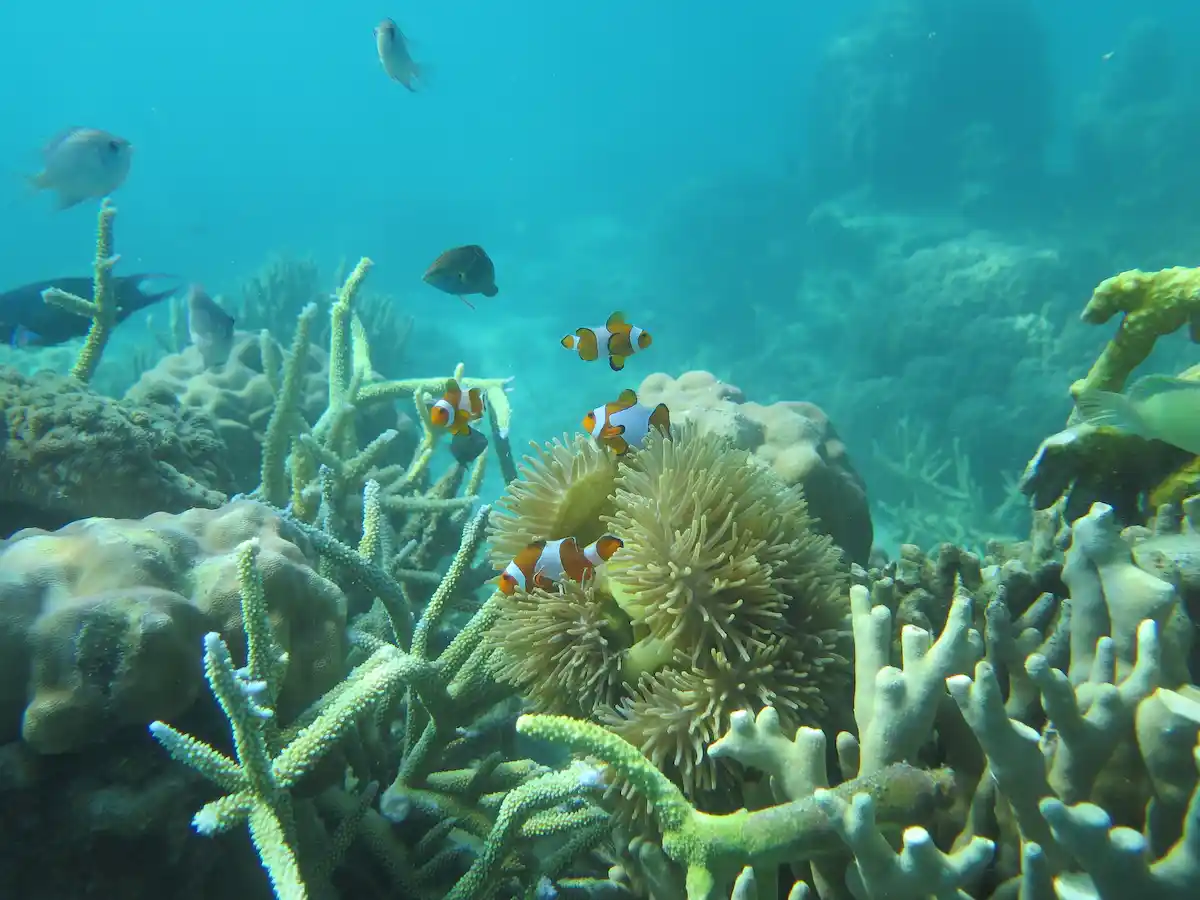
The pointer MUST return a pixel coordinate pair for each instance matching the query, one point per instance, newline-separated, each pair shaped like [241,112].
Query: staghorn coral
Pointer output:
[723,595]
[67,453]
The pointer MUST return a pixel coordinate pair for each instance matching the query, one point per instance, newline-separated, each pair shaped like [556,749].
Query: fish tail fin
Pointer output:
[1107,409]
[568,342]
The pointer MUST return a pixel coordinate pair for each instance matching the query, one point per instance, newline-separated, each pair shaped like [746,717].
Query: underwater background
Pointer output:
[693,165]
[882,220]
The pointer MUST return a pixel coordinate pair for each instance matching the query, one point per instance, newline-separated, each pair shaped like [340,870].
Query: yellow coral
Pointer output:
[563,490]
[1154,304]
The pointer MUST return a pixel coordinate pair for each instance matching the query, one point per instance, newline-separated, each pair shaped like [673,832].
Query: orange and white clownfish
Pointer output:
[457,408]
[626,422]
[616,339]
[545,563]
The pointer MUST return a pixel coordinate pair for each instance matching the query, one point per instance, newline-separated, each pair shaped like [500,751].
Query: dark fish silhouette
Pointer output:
[26,320]
[463,270]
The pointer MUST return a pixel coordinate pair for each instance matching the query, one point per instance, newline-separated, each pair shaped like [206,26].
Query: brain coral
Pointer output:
[237,397]
[101,621]
[67,453]
[796,439]
[724,596]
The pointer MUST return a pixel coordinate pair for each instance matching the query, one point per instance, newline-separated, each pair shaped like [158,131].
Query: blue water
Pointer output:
[611,156]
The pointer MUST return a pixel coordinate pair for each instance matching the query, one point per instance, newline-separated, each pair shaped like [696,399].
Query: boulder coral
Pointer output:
[100,621]
[723,595]
[67,453]
[795,439]
[239,396]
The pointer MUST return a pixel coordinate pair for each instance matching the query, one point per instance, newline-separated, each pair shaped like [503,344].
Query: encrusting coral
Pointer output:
[723,595]
[69,453]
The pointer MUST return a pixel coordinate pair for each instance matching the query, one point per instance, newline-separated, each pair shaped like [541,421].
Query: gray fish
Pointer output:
[392,48]
[210,327]
[83,163]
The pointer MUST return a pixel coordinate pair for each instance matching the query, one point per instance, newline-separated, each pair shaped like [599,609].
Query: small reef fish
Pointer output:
[463,270]
[392,47]
[210,327]
[26,320]
[83,163]
[625,423]
[545,563]
[1156,407]
[457,408]
[616,339]
[466,447]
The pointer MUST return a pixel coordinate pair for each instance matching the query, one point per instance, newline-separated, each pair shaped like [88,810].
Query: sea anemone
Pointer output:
[719,554]
[563,490]
[563,649]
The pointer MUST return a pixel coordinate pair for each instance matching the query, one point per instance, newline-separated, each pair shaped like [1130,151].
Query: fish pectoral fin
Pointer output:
[1106,409]
[619,445]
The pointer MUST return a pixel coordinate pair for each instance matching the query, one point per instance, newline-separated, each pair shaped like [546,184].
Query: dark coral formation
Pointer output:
[67,453]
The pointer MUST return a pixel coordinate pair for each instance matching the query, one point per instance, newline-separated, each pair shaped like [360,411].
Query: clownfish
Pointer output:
[457,408]
[626,422]
[615,338]
[544,563]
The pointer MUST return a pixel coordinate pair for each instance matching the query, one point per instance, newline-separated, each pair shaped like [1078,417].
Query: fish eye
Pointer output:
[114,146]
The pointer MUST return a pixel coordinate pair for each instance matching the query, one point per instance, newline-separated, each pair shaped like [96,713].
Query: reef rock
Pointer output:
[794,438]
[67,452]
[101,621]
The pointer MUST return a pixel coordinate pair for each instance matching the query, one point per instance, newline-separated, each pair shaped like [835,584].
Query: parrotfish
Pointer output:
[624,424]
[544,564]
[392,48]
[1156,407]
[463,270]
[83,163]
[615,339]
[210,327]
[26,320]
[457,408]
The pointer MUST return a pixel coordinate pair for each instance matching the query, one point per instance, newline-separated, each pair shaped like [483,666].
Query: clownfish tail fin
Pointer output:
[660,418]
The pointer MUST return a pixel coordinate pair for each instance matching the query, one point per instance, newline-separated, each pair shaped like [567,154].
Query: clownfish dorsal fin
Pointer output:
[627,399]
[616,322]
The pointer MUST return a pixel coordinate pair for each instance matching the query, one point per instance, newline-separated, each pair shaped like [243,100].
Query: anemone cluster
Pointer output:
[723,597]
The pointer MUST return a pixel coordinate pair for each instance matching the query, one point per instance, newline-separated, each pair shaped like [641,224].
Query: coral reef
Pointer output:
[102,619]
[68,453]
[239,397]
[906,102]
[796,439]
